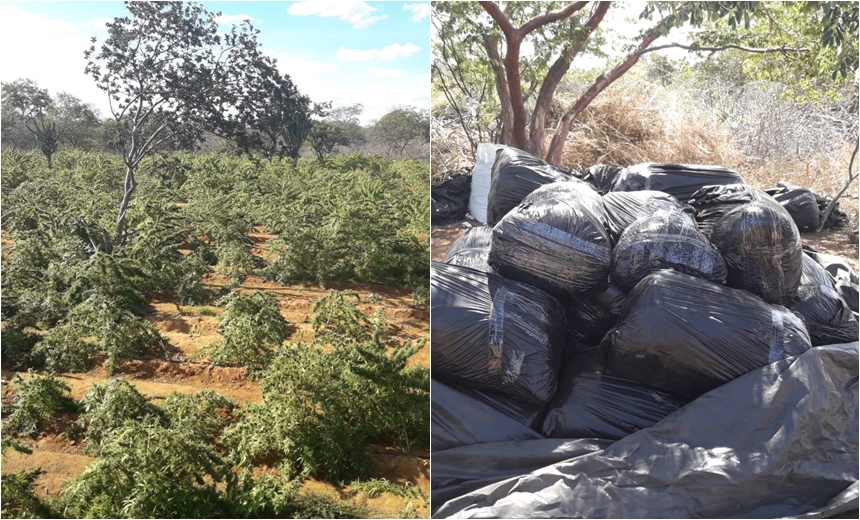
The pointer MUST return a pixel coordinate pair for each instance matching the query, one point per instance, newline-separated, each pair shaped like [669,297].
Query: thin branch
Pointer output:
[755,50]
[553,16]
[500,18]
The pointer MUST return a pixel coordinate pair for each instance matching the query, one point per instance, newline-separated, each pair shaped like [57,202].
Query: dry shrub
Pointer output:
[450,151]
[635,121]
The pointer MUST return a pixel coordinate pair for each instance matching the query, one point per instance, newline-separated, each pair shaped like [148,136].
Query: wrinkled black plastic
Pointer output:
[624,208]
[515,174]
[687,336]
[458,419]
[555,239]
[678,180]
[819,304]
[494,334]
[588,403]
[711,203]
[779,441]
[665,240]
[843,275]
[602,177]
[762,249]
[449,200]
[591,317]
[472,249]
[800,203]
[837,219]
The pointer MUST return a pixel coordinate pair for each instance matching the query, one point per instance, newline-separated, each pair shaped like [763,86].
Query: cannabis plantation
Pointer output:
[252,344]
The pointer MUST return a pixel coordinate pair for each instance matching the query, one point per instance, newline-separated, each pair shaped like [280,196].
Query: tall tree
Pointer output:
[402,126]
[325,137]
[162,68]
[559,32]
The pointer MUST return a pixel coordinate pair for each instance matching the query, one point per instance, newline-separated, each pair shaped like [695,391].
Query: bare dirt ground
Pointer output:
[187,329]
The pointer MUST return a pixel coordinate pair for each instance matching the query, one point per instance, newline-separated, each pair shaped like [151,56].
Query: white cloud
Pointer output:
[53,56]
[383,72]
[99,23]
[419,11]
[230,19]
[359,14]
[387,53]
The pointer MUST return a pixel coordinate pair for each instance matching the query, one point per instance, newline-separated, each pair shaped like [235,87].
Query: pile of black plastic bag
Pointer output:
[652,341]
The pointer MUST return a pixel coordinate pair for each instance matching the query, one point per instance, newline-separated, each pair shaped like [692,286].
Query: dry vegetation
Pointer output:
[760,135]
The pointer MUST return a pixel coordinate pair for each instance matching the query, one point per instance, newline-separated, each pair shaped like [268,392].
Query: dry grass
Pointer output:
[635,121]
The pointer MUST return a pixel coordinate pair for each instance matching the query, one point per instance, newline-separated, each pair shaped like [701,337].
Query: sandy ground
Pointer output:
[187,329]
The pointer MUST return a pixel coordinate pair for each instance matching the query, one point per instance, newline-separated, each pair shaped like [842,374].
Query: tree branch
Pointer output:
[500,18]
[783,49]
[553,16]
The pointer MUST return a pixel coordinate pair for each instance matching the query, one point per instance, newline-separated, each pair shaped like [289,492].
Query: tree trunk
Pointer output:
[556,146]
[129,189]
[507,117]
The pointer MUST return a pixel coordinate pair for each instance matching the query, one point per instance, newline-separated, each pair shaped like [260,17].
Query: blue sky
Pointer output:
[373,53]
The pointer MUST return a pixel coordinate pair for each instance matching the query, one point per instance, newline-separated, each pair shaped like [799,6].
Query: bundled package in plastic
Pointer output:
[472,249]
[800,203]
[711,203]
[589,318]
[515,174]
[686,336]
[844,277]
[762,249]
[588,404]
[449,200]
[459,419]
[624,208]
[485,156]
[665,240]
[601,176]
[678,180]
[821,307]
[556,240]
[494,334]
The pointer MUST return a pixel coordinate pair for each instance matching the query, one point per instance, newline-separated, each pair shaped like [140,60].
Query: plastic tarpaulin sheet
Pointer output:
[779,441]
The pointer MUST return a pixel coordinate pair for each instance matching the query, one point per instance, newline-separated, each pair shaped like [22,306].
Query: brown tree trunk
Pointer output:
[537,127]
[556,146]
[491,45]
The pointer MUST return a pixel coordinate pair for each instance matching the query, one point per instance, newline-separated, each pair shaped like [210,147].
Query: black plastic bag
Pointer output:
[515,174]
[472,249]
[555,239]
[588,403]
[493,334]
[678,180]
[449,200]
[457,419]
[665,240]
[762,249]
[592,316]
[819,304]
[711,203]
[601,176]
[686,336]
[800,203]
[837,219]
[843,275]
[779,441]
[625,208]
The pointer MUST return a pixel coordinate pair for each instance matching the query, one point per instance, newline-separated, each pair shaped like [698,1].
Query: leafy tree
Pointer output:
[347,119]
[400,127]
[32,118]
[559,32]
[325,137]
[162,69]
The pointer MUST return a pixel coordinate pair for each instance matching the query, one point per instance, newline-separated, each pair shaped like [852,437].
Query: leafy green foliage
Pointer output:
[324,402]
[253,328]
[18,498]
[377,486]
[204,414]
[38,397]
[109,405]
[146,470]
